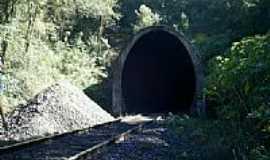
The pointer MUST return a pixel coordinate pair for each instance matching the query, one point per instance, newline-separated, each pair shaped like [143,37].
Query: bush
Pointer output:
[239,87]
[28,72]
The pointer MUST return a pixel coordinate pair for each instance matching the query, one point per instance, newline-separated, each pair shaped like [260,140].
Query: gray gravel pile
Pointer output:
[58,109]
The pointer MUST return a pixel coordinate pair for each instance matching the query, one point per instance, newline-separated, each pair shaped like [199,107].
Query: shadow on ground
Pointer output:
[101,93]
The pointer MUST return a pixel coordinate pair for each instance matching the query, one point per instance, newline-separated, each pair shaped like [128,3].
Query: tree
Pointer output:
[48,40]
[146,18]
[211,25]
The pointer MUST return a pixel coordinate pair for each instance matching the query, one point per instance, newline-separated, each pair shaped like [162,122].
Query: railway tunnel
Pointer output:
[157,72]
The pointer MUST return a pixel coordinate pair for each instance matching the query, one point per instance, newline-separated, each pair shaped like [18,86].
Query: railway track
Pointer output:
[74,145]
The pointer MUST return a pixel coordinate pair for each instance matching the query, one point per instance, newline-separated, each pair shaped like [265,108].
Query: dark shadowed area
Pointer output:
[158,75]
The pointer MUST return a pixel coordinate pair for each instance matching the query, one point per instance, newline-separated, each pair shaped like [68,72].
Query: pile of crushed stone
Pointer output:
[58,109]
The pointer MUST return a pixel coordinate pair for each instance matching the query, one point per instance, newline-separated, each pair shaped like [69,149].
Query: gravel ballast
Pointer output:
[160,141]
[58,109]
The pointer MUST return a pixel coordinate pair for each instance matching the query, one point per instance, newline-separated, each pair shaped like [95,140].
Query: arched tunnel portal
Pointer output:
[156,73]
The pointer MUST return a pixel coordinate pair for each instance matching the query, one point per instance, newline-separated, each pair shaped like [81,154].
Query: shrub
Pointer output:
[28,72]
[239,86]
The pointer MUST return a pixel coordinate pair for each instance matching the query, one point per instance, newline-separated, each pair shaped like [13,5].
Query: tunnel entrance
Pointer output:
[158,74]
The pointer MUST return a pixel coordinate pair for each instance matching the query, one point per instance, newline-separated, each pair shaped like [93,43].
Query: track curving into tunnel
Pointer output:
[158,73]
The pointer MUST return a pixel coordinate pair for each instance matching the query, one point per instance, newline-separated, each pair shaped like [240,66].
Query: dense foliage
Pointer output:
[239,88]
[212,25]
[243,74]
[43,41]
[46,41]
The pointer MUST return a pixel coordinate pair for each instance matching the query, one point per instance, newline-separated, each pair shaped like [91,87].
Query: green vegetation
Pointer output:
[46,41]
[209,139]
[238,87]
[43,41]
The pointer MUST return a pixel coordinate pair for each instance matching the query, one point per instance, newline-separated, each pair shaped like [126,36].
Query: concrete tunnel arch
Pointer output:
[158,72]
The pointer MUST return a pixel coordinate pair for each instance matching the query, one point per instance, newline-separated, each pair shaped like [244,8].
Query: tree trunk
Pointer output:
[5,126]
[31,21]
[4,47]
[3,53]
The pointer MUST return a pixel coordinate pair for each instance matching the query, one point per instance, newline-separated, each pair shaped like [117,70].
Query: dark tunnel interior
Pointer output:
[158,75]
